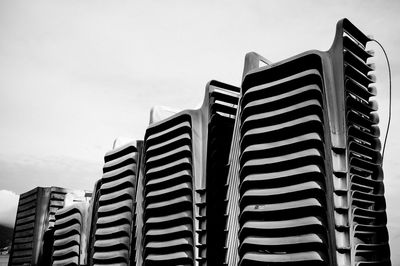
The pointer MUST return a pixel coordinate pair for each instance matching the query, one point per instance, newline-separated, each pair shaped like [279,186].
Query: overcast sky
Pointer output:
[74,75]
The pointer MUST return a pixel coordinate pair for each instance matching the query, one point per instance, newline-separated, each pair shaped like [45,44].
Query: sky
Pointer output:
[75,75]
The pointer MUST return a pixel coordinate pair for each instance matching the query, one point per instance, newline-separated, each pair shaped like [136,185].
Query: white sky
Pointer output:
[74,75]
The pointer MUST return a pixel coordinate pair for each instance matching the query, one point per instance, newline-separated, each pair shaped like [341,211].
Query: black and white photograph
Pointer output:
[198,133]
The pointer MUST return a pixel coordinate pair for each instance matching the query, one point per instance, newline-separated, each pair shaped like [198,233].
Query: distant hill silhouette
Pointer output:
[6,234]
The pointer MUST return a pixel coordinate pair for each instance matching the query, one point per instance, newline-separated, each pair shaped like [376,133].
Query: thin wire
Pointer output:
[390,99]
